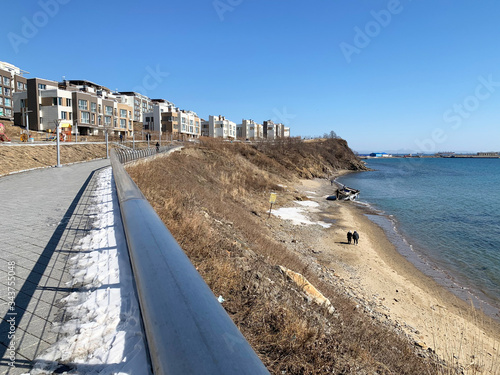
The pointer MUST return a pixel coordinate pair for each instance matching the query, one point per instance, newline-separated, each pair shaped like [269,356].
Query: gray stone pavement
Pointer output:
[43,215]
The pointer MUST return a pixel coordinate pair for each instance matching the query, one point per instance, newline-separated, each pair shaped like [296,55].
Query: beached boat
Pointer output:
[344,193]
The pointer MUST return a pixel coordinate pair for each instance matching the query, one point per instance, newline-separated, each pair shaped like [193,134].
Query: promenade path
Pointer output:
[43,215]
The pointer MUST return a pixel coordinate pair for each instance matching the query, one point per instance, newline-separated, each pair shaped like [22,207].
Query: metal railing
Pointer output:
[126,154]
[187,329]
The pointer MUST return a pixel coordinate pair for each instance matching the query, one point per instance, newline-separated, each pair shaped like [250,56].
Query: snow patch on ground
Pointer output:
[102,332]
[307,203]
[297,214]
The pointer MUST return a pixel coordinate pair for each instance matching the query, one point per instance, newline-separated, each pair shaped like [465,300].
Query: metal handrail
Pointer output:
[187,329]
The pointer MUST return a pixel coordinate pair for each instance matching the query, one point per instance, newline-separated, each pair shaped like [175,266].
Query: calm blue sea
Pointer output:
[444,216]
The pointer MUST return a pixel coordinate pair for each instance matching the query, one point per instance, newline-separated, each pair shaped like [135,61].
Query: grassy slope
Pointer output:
[213,199]
[19,158]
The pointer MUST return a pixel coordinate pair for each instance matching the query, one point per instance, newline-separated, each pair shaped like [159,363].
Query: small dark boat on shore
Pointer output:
[344,194]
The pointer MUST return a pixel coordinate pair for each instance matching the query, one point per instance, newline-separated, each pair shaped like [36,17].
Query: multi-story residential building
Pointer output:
[89,108]
[249,129]
[286,132]
[28,104]
[141,104]
[270,129]
[170,120]
[220,127]
[11,81]
[275,131]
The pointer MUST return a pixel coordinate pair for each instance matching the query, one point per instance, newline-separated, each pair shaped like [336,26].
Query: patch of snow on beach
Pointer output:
[307,203]
[296,214]
[311,192]
[102,330]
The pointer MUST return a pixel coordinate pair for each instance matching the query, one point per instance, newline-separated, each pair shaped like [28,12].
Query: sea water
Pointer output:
[443,214]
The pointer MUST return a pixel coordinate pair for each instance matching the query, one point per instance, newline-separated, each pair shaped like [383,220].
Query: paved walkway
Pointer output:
[43,215]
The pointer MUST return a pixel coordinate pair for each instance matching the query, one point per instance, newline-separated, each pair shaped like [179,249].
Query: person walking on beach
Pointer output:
[355,237]
[349,237]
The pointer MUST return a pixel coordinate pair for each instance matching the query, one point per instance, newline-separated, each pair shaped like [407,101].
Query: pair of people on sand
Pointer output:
[352,236]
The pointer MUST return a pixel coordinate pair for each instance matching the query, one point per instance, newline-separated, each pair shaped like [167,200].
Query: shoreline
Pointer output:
[396,290]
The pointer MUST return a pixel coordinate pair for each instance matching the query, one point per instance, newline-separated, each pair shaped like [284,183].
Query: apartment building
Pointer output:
[270,130]
[87,107]
[275,131]
[11,81]
[220,127]
[168,119]
[141,104]
[28,105]
[249,129]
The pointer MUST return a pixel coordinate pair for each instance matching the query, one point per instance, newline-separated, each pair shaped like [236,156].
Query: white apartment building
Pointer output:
[166,118]
[220,127]
[140,103]
[152,118]
[249,129]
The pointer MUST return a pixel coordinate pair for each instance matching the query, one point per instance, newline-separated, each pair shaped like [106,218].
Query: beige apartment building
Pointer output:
[174,123]
[88,108]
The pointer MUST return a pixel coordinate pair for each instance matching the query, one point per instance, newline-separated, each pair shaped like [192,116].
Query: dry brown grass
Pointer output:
[213,199]
[18,158]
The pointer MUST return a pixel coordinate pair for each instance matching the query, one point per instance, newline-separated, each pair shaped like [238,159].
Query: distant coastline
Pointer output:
[478,155]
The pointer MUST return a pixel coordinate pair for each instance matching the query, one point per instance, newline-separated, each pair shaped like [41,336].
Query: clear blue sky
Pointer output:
[385,75]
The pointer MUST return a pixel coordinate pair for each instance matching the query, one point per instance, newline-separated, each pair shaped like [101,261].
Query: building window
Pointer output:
[41,86]
[82,104]
[1,90]
[1,102]
[109,110]
[84,117]
[7,102]
[93,107]
[114,123]
[59,101]
[8,112]
[99,120]
[123,123]
[54,101]
[68,102]
[70,116]
[93,118]
[63,115]
[6,81]
[7,91]
[107,120]
[20,86]
[130,125]
[123,113]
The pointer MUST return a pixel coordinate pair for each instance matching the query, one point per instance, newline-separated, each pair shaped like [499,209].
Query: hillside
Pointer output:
[14,158]
[214,199]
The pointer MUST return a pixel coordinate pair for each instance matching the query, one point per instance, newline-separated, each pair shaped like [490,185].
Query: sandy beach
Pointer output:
[388,286]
